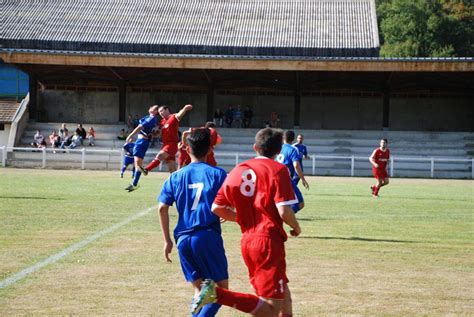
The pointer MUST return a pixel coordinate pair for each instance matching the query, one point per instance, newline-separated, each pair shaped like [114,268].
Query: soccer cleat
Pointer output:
[121,175]
[206,296]
[372,188]
[131,188]
[143,170]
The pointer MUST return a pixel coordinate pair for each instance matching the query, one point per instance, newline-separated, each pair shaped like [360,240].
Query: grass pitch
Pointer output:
[409,252]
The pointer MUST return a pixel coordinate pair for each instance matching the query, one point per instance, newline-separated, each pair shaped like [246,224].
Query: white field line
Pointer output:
[77,246]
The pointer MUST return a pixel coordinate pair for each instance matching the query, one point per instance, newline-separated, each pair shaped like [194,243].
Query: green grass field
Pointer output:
[410,252]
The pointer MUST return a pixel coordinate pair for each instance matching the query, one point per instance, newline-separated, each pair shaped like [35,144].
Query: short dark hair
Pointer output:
[289,136]
[268,142]
[210,124]
[199,141]
[164,107]
[386,140]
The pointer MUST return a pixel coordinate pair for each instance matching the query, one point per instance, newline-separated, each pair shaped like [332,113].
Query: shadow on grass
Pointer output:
[312,219]
[358,239]
[394,197]
[31,198]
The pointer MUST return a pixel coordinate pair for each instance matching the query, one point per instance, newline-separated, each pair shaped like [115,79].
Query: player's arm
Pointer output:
[219,140]
[184,136]
[224,212]
[288,216]
[299,171]
[183,111]
[372,160]
[165,228]
[135,131]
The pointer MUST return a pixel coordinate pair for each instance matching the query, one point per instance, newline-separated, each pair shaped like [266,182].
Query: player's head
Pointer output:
[289,136]
[383,144]
[268,142]
[164,111]
[210,124]
[153,110]
[199,141]
[299,138]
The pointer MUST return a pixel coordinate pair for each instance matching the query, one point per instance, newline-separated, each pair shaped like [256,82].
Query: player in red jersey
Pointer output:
[379,160]
[183,156]
[169,126]
[260,190]
[216,139]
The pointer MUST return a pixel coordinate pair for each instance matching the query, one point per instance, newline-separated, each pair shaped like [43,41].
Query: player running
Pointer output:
[260,191]
[198,231]
[289,156]
[145,130]
[127,158]
[303,151]
[169,126]
[379,160]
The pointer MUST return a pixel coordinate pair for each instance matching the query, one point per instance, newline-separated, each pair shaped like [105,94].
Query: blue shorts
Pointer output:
[140,148]
[202,255]
[297,191]
[127,160]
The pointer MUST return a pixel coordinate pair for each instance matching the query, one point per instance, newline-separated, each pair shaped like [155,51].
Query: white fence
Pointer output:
[353,163]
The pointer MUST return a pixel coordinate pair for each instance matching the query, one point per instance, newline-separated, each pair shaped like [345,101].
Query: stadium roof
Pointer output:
[303,28]
[8,110]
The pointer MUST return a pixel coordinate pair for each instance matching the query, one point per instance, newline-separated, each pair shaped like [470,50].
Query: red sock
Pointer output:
[153,164]
[376,190]
[246,303]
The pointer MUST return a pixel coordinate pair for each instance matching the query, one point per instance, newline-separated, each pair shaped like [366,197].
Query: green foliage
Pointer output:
[420,28]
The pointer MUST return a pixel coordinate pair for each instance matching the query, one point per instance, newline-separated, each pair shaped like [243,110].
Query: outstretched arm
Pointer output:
[135,131]
[183,111]
[165,227]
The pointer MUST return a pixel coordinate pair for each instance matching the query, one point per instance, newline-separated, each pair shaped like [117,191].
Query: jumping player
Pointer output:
[215,140]
[379,160]
[198,231]
[145,129]
[169,126]
[260,191]
[127,158]
[303,151]
[289,156]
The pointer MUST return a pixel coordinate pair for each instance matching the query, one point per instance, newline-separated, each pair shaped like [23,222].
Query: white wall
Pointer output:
[5,134]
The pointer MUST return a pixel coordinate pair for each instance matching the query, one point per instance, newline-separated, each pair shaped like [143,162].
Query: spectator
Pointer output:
[65,139]
[218,117]
[229,116]
[75,141]
[238,117]
[81,132]
[38,140]
[274,120]
[54,140]
[91,136]
[248,114]
[63,132]
[122,135]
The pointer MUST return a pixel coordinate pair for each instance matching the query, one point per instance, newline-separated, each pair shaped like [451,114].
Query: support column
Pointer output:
[210,101]
[297,105]
[386,102]
[122,101]
[33,91]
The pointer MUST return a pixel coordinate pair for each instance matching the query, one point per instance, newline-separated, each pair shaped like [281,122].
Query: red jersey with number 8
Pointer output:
[255,188]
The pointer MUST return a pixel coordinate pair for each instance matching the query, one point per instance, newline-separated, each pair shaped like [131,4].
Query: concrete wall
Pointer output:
[4,135]
[432,114]
[347,113]
[80,106]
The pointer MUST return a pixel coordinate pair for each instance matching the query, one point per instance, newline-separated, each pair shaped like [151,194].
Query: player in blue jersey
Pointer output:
[145,129]
[127,158]
[198,230]
[289,156]
[303,152]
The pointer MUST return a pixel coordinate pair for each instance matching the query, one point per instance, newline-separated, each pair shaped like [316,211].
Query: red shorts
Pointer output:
[380,173]
[171,148]
[265,260]
[211,160]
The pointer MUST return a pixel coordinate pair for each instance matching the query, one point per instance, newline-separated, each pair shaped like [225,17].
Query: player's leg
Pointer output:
[155,162]
[299,196]
[139,151]
[287,307]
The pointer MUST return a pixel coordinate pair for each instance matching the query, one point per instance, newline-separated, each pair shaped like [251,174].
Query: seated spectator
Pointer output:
[65,140]
[81,132]
[248,114]
[218,117]
[229,116]
[54,140]
[122,135]
[38,140]
[238,115]
[63,131]
[75,141]
[91,136]
[274,120]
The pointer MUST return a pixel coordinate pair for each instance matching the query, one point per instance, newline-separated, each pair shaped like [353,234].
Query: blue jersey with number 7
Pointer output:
[193,188]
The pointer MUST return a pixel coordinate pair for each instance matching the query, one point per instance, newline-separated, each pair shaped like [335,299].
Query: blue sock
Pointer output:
[136,177]
[133,172]
[208,310]
[123,169]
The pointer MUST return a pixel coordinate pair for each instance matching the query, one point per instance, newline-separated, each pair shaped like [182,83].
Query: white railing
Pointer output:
[316,161]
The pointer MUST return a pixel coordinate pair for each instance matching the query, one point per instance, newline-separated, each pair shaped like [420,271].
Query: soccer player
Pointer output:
[303,151]
[198,231]
[169,126]
[145,129]
[215,140]
[183,156]
[127,158]
[260,191]
[379,160]
[289,156]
